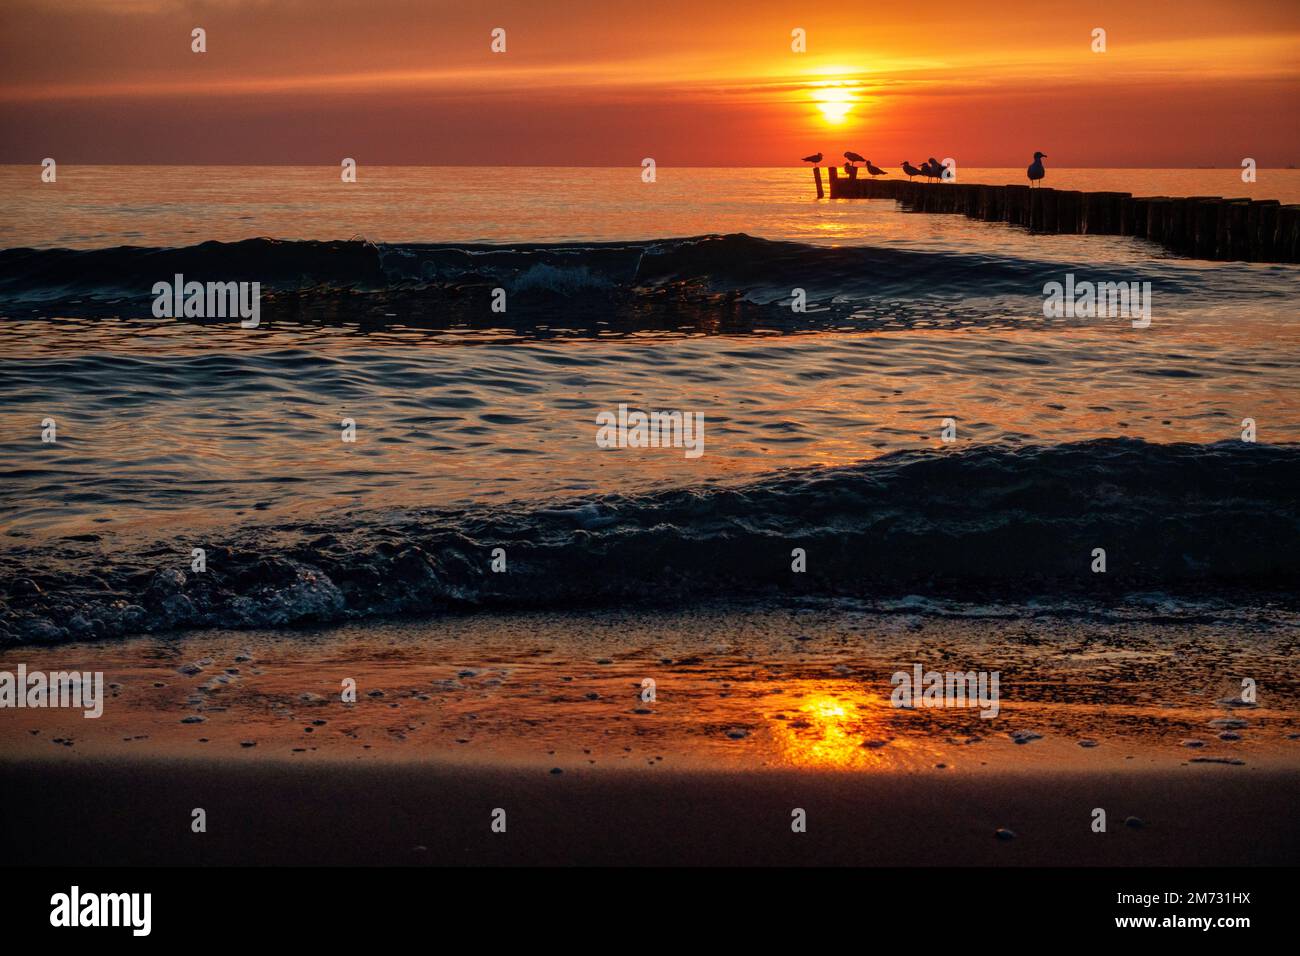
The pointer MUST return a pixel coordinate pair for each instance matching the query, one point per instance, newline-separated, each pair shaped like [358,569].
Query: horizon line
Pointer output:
[635,166]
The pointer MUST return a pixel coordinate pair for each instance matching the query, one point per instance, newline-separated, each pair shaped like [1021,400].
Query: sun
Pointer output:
[835,103]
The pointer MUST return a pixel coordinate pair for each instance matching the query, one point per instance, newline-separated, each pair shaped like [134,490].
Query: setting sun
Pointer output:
[834,102]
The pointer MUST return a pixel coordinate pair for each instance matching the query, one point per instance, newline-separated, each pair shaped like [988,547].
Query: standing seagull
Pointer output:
[853,157]
[934,168]
[1036,170]
[909,170]
[875,170]
[815,159]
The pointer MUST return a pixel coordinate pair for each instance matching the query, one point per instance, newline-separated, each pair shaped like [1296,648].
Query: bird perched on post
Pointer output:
[853,157]
[815,158]
[909,170]
[934,168]
[1036,170]
[875,170]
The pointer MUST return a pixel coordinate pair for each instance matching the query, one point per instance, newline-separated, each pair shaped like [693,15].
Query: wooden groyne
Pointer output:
[1205,227]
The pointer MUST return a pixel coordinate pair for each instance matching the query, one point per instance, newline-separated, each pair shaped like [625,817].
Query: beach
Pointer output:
[755,715]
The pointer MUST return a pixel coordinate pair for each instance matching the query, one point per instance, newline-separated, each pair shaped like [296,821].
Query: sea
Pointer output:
[888,414]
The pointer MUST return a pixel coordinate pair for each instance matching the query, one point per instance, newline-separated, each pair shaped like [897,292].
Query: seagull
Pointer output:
[815,158]
[909,170]
[875,170]
[853,157]
[1036,170]
[935,168]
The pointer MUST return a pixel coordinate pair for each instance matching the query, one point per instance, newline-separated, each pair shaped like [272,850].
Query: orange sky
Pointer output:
[1199,82]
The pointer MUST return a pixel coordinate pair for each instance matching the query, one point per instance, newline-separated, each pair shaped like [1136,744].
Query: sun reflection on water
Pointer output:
[840,728]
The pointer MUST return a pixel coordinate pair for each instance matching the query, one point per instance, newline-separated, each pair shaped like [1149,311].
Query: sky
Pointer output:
[586,83]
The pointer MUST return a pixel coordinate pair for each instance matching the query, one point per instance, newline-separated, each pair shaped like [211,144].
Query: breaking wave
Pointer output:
[991,523]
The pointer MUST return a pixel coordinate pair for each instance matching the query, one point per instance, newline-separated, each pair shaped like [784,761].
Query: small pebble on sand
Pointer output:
[1229,723]
[1002,833]
[1135,822]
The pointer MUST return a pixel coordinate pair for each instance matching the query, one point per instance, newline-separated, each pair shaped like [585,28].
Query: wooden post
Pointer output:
[1035,222]
[1157,218]
[1205,223]
[1208,227]
[1175,230]
[1287,238]
[1263,226]
[1069,210]
[1236,242]
[1016,206]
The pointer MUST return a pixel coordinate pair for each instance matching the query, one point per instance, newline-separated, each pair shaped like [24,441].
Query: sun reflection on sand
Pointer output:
[843,727]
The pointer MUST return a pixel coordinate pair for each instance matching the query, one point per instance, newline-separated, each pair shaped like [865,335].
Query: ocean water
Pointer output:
[476,429]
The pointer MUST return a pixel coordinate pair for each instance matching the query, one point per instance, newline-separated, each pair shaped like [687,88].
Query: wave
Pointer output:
[989,524]
[359,279]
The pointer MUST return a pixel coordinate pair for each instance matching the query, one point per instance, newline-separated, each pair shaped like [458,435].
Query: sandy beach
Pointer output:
[273,811]
[755,714]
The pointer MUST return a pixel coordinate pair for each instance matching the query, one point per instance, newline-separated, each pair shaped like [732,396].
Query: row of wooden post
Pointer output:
[1205,227]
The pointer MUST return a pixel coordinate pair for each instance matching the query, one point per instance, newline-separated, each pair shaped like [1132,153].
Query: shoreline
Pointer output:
[757,712]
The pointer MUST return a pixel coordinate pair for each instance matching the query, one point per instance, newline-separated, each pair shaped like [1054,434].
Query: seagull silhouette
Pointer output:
[815,158]
[875,170]
[853,157]
[1036,170]
[909,170]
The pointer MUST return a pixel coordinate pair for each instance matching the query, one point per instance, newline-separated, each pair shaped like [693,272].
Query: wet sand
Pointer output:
[755,713]
[138,812]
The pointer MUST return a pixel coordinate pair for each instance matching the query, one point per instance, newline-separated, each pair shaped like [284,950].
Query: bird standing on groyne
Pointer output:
[909,170]
[1036,170]
[815,159]
[875,170]
[853,157]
